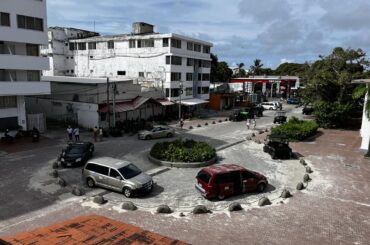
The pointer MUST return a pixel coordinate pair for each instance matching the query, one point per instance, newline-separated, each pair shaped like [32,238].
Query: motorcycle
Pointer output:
[35,135]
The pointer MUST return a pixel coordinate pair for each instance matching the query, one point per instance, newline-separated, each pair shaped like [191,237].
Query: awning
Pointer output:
[193,101]
[126,105]
[165,102]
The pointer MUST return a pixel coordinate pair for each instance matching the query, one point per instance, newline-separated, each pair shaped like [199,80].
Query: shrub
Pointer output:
[296,129]
[332,114]
[183,151]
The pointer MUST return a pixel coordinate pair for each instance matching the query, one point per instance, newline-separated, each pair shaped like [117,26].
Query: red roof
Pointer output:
[223,168]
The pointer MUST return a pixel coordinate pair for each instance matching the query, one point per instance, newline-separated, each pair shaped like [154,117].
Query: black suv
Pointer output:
[307,110]
[278,147]
[76,154]
[238,115]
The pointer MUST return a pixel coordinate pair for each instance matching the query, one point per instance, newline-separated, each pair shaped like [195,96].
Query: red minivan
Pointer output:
[220,181]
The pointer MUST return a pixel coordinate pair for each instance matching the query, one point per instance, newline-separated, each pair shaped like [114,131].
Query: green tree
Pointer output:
[291,69]
[240,71]
[329,86]
[256,68]
[220,71]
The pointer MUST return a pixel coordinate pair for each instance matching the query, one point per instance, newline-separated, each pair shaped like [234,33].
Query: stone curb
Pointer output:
[182,164]
[220,148]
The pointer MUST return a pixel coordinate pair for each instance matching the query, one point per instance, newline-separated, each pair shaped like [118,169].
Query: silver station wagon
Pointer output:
[118,175]
[158,131]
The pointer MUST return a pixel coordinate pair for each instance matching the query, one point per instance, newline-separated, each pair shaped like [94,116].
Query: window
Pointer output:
[175,92]
[72,46]
[189,76]
[4,19]
[197,47]
[206,63]
[176,43]
[165,42]
[121,73]
[32,50]
[141,74]
[174,60]
[129,171]
[167,92]
[205,90]
[224,178]
[92,45]
[81,46]
[132,43]
[33,76]
[8,101]
[204,176]
[190,62]
[101,169]
[247,175]
[206,49]
[189,91]
[168,60]
[205,77]
[199,76]
[111,44]
[31,23]
[190,46]
[175,76]
[114,174]
[145,43]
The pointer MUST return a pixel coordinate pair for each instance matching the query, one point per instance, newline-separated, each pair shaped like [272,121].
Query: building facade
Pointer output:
[167,61]
[23,29]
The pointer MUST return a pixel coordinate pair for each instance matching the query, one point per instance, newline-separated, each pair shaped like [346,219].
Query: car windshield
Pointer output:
[204,176]
[75,150]
[129,171]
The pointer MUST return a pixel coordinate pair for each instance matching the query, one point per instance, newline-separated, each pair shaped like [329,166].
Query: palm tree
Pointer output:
[256,67]
[240,72]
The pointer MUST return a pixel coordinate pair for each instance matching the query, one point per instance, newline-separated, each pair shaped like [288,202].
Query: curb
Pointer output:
[222,147]
[156,171]
[182,164]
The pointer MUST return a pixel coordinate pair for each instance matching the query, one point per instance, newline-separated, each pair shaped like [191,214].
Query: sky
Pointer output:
[275,31]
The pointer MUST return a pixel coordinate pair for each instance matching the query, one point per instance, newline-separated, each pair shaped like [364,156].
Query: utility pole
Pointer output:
[114,104]
[108,117]
[181,91]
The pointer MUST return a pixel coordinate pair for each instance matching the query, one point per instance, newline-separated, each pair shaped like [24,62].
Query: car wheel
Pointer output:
[169,135]
[90,182]
[148,137]
[264,149]
[270,108]
[221,197]
[261,187]
[127,192]
[273,155]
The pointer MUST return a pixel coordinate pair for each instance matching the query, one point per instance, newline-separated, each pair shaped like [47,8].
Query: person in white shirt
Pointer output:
[76,132]
[69,132]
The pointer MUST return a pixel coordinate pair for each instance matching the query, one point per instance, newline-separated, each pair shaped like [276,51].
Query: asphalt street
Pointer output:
[27,184]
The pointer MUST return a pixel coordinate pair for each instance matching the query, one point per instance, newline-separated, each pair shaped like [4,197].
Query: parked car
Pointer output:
[238,115]
[221,181]
[280,117]
[270,105]
[278,147]
[118,175]
[158,131]
[258,110]
[307,110]
[76,154]
[293,101]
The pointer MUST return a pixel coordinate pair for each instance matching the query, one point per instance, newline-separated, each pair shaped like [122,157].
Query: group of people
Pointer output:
[75,132]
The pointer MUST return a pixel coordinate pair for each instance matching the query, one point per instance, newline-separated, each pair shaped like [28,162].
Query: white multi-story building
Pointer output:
[169,61]
[23,29]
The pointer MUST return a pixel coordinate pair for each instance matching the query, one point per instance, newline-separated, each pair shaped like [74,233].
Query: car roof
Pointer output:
[79,144]
[223,168]
[110,162]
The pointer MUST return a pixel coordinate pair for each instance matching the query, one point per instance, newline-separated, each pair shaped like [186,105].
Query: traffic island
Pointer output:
[183,154]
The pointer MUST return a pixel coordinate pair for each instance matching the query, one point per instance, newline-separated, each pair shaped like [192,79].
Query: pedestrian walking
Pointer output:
[95,132]
[100,134]
[181,123]
[69,132]
[254,123]
[248,123]
[76,133]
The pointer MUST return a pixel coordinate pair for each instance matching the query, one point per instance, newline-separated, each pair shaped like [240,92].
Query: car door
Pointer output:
[101,175]
[155,132]
[225,185]
[248,182]
[115,180]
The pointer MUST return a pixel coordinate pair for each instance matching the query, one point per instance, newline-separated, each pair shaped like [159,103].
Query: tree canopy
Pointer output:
[220,71]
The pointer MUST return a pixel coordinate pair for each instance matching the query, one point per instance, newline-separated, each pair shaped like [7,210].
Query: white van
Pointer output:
[270,105]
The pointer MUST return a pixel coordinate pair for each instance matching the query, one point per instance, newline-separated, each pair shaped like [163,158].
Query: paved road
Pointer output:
[26,184]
